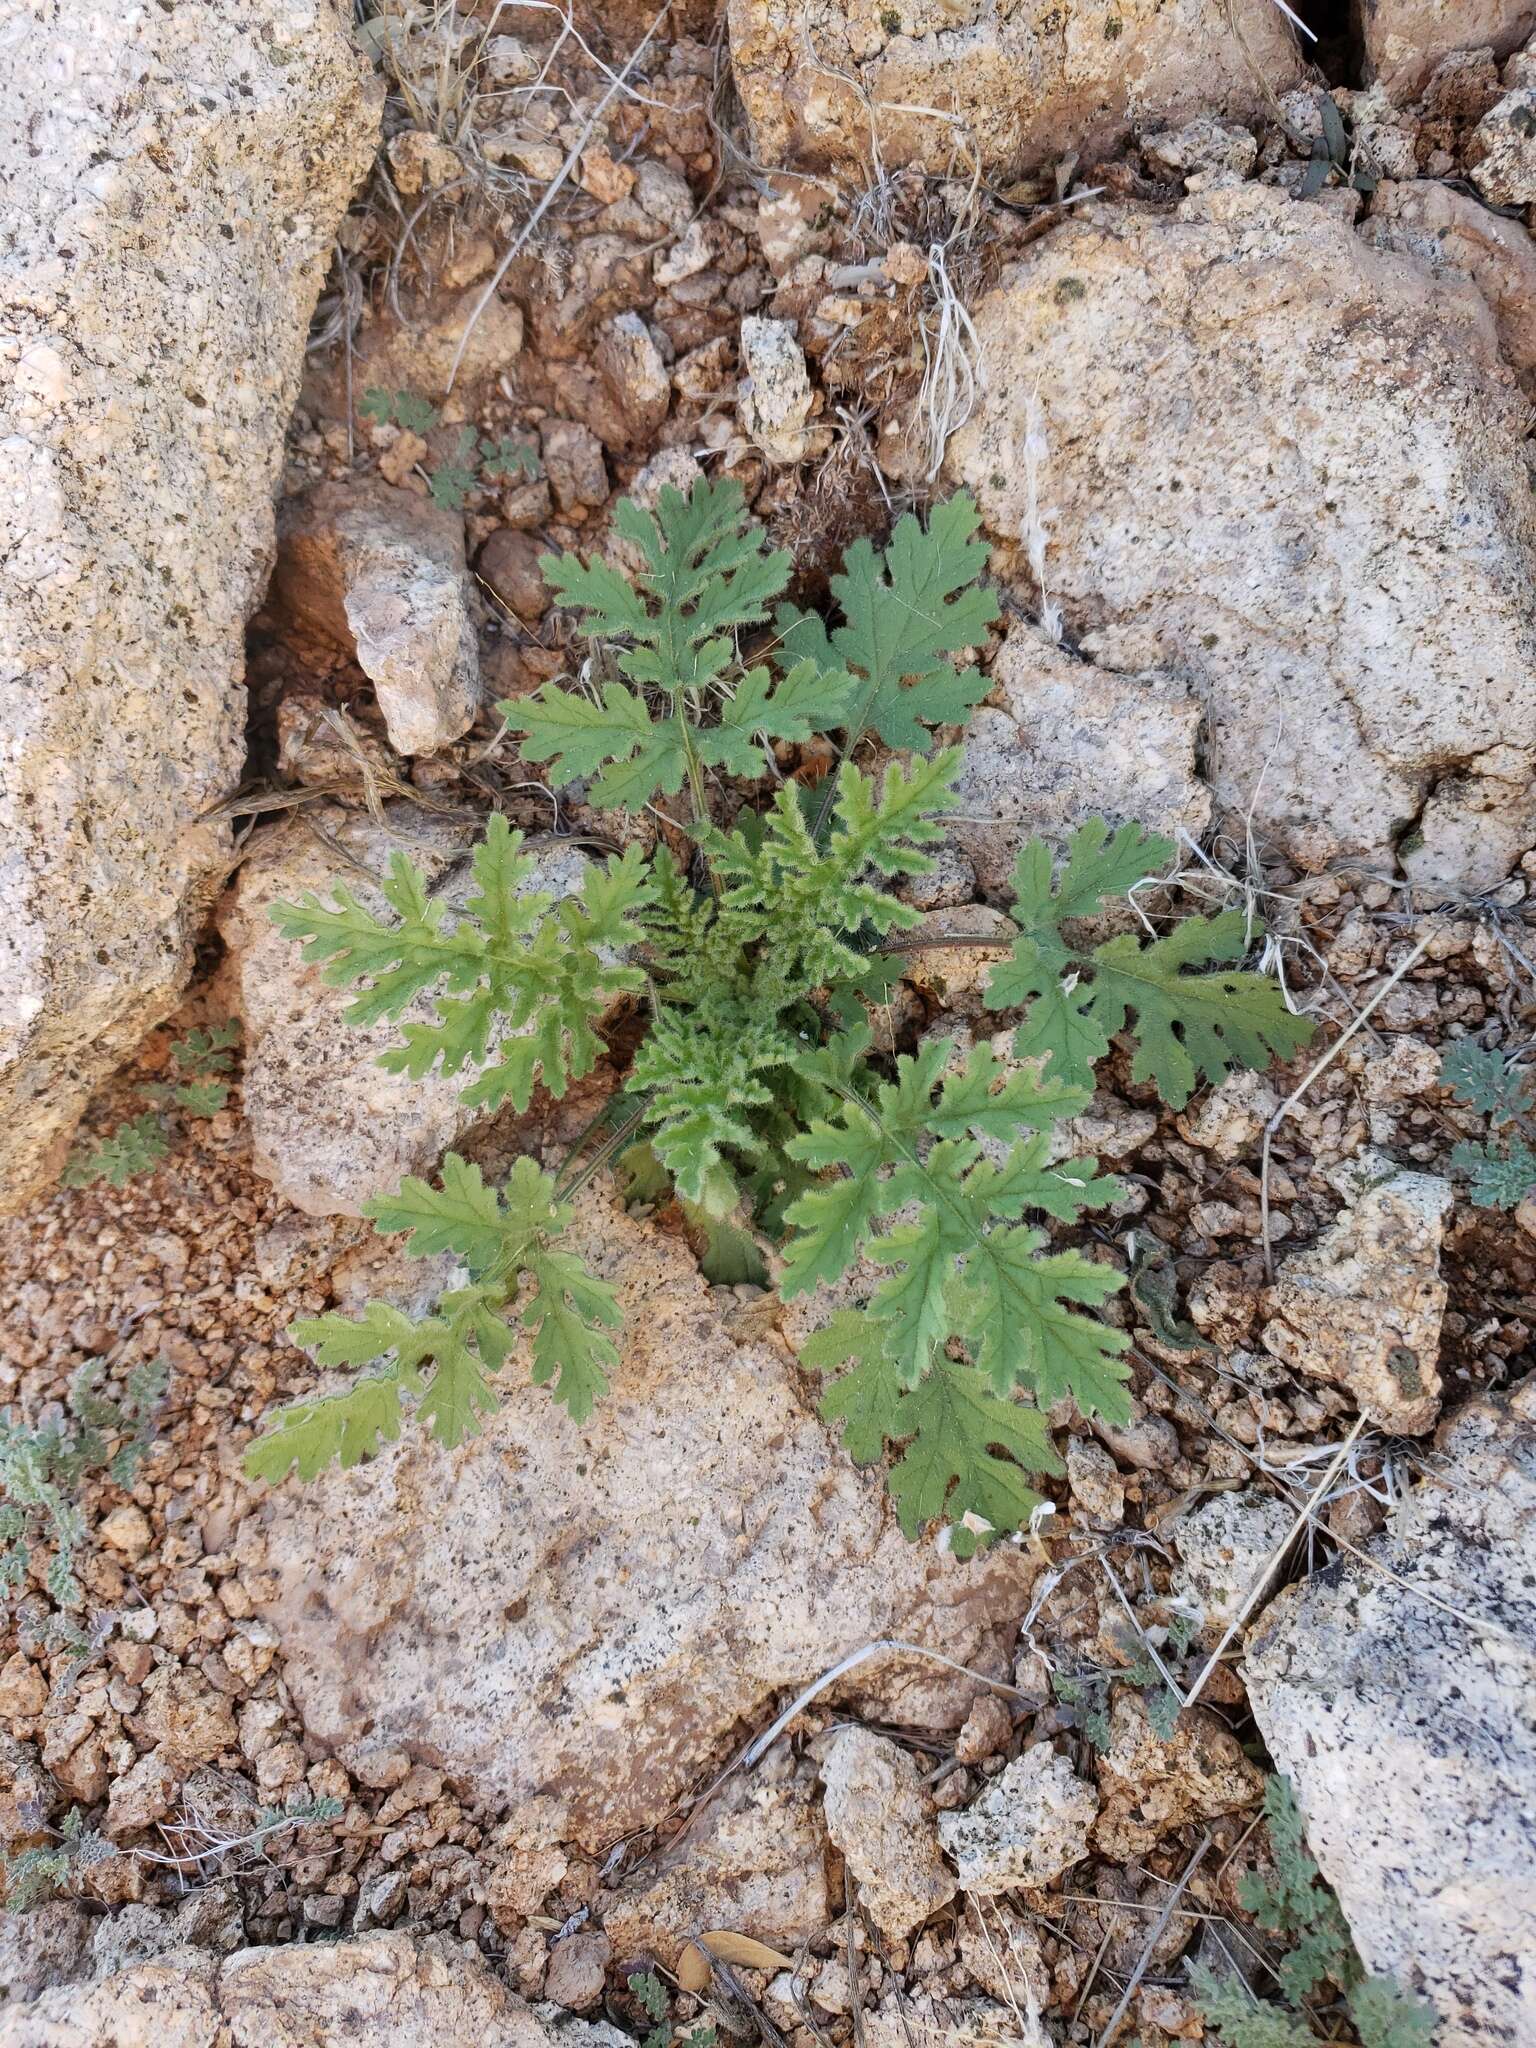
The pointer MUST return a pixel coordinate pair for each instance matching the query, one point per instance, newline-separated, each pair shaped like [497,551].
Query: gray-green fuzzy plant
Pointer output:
[756,1095]
[1297,1908]
[42,1467]
[1501,1171]
[200,1063]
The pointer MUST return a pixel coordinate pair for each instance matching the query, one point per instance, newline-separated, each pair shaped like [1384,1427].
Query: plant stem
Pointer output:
[604,1153]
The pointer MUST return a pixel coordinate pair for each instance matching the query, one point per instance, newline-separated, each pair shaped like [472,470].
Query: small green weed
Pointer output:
[1087,1694]
[42,1872]
[1295,1905]
[136,1147]
[475,461]
[652,1995]
[756,1095]
[41,1470]
[1502,1170]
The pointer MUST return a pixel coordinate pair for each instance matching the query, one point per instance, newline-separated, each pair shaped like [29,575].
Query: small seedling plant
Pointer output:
[476,460]
[1501,1169]
[1088,1695]
[757,1096]
[200,1063]
[654,2001]
[1296,1907]
[43,1466]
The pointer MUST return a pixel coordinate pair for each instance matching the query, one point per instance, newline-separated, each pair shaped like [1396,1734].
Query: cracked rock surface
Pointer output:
[142,415]
[1291,467]
[1398,1694]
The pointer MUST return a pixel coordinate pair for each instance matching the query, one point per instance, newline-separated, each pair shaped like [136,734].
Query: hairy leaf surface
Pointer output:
[1187,1025]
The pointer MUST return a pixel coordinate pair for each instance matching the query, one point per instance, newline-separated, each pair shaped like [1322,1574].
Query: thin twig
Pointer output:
[520,241]
[1318,1067]
[1153,1939]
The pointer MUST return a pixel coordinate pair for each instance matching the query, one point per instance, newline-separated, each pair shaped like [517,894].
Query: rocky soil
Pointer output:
[1234,340]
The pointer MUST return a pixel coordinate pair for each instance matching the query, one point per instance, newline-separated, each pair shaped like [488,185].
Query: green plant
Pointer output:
[651,1995]
[1501,1170]
[756,1095]
[41,1469]
[1295,1905]
[48,1868]
[135,1147]
[1088,1693]
[477,459]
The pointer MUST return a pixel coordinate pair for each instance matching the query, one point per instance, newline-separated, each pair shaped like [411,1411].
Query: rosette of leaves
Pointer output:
[755,1096]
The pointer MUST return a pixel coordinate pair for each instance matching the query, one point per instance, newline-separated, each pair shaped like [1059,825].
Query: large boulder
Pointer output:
[1290,467]
[1397,1693]
[1406,39]
[376,1991]
[174,177]
[932,81]
[590,1612]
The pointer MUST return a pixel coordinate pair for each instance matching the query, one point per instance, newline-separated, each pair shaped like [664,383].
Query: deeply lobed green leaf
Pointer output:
[707,574]
[520,979]
[906,610]
[502,1235]
[958,1267]
[1186,1025]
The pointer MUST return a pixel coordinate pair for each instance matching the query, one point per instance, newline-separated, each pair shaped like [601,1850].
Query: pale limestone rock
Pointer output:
[47,1945]
[1098,1491]
[1406,39]
[574,1975]
[827,85]
[174,178]
[419,160]
[142,1794]
[1223,1546]
[183,1714]
[942,960]
[381,574]
[588,1611]
[329,1127]
[1203,146]
[416,352]
[756,1864]
[1397,1695]
[1290,467]
[1362,1306]
[1504,169]
[374,1991]
[574,465]
[1030,1824]
[776,391]
[1000,1946]
[1151,1786]
[882,1818]
[1059,740]
[1229,1120]
[631,365]
[1385,137]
